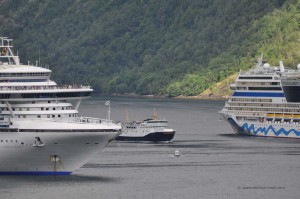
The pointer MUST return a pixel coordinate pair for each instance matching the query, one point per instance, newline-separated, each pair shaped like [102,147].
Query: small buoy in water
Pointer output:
[176,153]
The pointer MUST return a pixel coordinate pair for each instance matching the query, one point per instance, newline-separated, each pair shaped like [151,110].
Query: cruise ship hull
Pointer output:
[151,137]
[60,154]
[264,129]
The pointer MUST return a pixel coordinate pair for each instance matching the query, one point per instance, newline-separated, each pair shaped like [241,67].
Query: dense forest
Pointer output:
[172,47]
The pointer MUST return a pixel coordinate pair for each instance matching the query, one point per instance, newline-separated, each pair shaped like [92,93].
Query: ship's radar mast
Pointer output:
[6,53]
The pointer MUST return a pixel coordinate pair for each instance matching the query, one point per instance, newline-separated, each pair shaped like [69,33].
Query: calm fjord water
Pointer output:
[214,163]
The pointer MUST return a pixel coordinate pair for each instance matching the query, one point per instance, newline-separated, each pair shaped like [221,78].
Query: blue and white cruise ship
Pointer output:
[265,102]
[41,132]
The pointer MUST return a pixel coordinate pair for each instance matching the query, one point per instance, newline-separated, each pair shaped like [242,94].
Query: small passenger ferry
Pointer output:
[151,130]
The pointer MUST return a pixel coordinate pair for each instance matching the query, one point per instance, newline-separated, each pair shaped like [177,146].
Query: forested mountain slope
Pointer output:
[171,47]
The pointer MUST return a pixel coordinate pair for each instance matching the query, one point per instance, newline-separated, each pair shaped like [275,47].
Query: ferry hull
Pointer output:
[151,137]
[60,154]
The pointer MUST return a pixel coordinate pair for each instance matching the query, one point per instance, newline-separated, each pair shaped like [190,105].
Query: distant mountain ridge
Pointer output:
[151,47]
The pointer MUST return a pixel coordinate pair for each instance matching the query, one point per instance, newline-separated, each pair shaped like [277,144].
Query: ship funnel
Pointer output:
[281,67]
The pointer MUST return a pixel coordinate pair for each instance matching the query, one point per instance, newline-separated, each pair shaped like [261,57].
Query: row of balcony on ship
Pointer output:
[52,87]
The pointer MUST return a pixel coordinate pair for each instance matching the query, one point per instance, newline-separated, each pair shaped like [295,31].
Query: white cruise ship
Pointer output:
[260,107]
[40,127]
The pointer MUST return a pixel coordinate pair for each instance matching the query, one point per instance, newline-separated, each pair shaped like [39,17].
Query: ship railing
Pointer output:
[290,83]
[256,72]
[17,88]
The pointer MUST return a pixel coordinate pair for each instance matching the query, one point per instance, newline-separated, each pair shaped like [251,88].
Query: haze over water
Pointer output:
[214,163]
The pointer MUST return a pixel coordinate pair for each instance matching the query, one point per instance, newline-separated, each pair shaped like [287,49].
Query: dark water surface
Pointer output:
[214,163]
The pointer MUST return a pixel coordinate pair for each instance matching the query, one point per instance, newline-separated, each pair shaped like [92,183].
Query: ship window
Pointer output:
[63,108]
[13,109]
[20,109]
[49,102]
[53,108]
[24,116]
[39,116]
[33,102]
[58,115]
[27,109]
[47,109]
[42,108]
[48,116]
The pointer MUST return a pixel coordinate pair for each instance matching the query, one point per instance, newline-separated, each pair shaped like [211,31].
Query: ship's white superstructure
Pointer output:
[41,132]
[259,106]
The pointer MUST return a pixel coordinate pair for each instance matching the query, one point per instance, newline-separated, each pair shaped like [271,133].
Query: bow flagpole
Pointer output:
[107,103]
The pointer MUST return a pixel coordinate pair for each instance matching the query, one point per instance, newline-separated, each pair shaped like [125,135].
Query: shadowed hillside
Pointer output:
[151,47]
